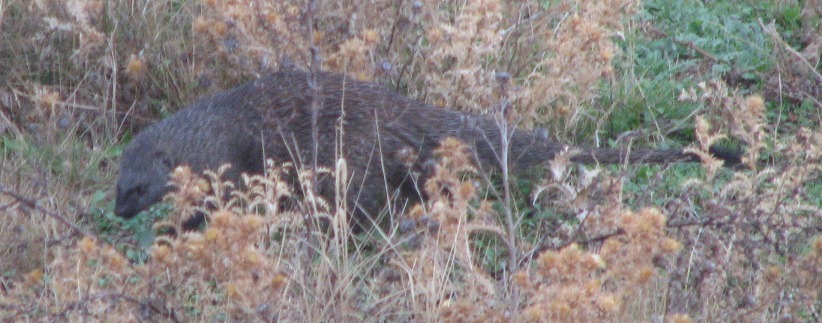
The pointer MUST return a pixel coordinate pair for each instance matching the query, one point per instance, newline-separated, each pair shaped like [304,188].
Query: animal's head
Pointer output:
[144,178]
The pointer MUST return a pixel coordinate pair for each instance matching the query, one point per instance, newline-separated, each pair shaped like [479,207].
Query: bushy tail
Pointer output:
[618,156]
[649,156]
[529,149]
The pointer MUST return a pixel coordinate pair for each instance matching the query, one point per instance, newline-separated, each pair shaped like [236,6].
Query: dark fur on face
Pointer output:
[144,180]
[206,135]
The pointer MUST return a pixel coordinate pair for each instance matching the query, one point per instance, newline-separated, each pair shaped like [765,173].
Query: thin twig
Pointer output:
[33,205]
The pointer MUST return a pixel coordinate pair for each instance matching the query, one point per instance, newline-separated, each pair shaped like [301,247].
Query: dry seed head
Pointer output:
[466,191]
[181,173]
[755,104]
[548,262]
[160,252]
[212,235]
[688,95]
[194,240]
[218,29]
[606,53]
[251,258]
[644,227]
[362,76]
[81,10]
[252,222]
[203,186]
[610,248]
[440,102]
[34,277]
[593,286]
[279,281]
[448,145]
[115,259]
[318,36]
[370,36]
[576,20]
[670,245]
[772,274]
[521,278]
[232,290]
[562,309]
[571,254]
[702,128]
[679,318]
[273,18]
[608,303]
[564,110]
[534,314]
[293,10]
[595,262]
[46,98]
[221,219]
[417,212]
[135,68]
[201,25]
[644,275]
[817,246]
[592,30]
[628,220]
[407,156]
[87,245]
[435,35]
[655,218]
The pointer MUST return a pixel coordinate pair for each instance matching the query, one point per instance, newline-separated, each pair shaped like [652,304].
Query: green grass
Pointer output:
[658,62]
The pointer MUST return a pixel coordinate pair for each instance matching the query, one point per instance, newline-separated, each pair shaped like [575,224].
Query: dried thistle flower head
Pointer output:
[136,67]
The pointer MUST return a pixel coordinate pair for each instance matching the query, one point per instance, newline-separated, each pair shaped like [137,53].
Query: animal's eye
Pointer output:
[137,190]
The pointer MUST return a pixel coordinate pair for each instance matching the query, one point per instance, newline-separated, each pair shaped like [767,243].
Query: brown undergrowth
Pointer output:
[261,259]
[445,53]
[722,245]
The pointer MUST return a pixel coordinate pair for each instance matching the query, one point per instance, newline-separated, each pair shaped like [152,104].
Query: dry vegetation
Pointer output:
[78,75]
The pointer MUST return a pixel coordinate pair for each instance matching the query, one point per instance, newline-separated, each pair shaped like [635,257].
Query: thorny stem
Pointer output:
[394,26]
[417,27]
[314,89]
[513,252]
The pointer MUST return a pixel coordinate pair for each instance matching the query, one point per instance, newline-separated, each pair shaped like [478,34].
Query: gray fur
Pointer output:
[271,118]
